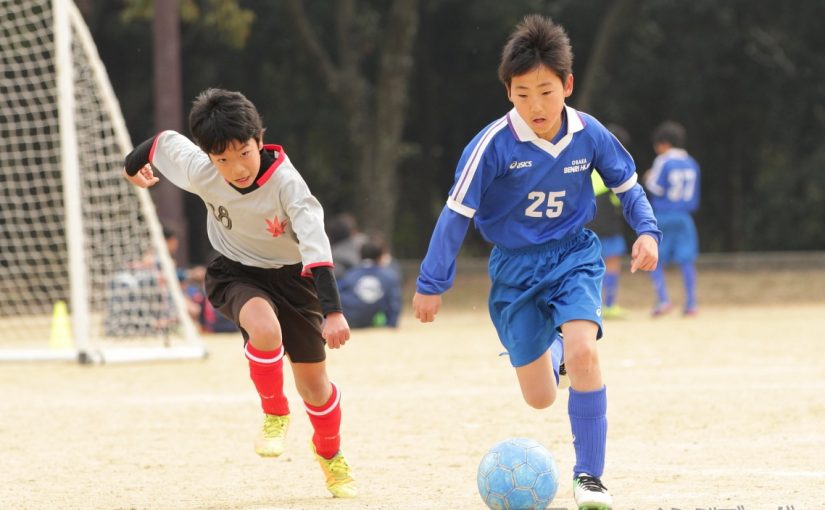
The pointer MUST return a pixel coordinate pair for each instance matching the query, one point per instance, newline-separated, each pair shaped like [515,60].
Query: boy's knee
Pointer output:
[264,335]
[581,356]
[540,399]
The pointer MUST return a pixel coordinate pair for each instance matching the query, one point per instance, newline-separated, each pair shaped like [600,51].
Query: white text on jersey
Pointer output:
[578,165]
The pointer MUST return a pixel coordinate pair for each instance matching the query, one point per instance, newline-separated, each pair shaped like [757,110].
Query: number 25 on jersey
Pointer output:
[545,204]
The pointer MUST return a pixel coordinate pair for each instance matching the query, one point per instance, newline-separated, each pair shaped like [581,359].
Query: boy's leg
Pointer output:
[322,401]
[689,277]
[663,305]
[265,351]
[557,359]
[587,408]
[266,369]
[611,288]
[538,380]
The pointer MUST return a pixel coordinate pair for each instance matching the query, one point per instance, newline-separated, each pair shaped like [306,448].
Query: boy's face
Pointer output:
[538,96]
[240,162]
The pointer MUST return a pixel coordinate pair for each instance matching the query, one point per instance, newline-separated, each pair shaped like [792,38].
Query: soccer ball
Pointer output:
[518,474]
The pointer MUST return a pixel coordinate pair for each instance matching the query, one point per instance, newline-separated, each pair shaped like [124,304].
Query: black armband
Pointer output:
[138,158]
[327,289]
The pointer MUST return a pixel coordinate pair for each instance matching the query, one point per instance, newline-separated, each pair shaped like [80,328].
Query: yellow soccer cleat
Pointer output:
[270,442]
[613,312]
[337,473]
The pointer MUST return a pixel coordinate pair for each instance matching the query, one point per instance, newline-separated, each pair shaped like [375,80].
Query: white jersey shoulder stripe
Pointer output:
[470,167]
[626,185]
[460,208]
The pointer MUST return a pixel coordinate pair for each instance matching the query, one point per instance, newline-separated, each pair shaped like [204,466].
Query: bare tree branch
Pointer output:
[313,43]
[620,15]
[347,58]
[396,63]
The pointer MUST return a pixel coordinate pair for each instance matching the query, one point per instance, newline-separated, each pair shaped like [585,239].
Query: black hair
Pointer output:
[341,227]
[670,132]
[373,248]
[220,117]
[536,41]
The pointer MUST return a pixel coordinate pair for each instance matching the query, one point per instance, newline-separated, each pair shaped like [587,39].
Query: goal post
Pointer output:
[85,273]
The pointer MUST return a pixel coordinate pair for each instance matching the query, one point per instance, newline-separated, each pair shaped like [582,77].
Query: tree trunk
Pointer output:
[620,16]
[376,110]
[169,199]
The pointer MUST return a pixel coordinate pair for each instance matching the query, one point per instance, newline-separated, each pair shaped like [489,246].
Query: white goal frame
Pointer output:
[86,349]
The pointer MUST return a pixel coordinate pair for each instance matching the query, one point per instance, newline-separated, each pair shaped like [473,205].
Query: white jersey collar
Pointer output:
[524,133]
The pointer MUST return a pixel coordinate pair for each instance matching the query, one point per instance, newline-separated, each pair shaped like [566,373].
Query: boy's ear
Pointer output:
[568,85]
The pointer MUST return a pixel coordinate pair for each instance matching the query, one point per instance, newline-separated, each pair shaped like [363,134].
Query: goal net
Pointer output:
[84,270]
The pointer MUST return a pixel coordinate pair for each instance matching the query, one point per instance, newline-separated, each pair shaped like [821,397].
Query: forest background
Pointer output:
[374,100]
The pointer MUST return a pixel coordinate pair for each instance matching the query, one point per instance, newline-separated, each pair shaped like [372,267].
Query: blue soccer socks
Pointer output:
[588,421]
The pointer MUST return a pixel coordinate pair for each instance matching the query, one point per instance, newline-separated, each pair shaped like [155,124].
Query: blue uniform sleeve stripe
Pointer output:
[470,167]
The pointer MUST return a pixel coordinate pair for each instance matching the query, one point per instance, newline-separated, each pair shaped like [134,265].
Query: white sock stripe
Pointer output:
[265,361]
[328,409]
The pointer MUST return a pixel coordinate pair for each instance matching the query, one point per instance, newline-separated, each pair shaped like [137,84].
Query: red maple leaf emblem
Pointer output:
[275,227]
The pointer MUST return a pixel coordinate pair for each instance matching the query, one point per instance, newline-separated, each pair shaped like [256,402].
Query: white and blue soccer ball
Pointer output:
[518,474]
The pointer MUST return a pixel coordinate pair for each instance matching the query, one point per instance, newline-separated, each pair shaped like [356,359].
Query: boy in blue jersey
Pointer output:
[609,227]
[525,181]
[673,185]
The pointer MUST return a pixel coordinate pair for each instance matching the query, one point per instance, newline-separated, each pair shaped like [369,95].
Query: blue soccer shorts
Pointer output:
[537,289]
[680,242]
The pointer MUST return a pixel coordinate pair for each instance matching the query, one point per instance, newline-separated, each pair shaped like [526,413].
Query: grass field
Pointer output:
[722,411]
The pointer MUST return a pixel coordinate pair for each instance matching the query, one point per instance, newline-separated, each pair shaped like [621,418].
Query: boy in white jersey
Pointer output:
[525,181]
[274,276]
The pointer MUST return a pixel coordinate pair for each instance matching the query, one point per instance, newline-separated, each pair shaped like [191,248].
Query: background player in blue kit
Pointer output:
[274,276]
[525,181]
[608,226]
[673,184]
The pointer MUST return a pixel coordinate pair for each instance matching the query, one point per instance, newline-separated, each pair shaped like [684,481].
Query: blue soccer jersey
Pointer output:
[673,182]
[522,190]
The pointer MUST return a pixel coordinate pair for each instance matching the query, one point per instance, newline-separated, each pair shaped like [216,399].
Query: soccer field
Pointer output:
[722,411]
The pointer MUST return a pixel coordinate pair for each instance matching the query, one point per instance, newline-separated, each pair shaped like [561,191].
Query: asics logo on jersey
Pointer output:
[520,164]
[275,227]
[577,165]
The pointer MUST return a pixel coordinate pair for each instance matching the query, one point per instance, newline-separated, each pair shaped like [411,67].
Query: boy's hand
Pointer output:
[426,306]
[645,254]
[336,330]
[144,178]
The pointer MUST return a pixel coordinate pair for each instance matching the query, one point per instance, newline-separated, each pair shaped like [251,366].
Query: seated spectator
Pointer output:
[137,299]
[210,320]
[371,291]
[345,241]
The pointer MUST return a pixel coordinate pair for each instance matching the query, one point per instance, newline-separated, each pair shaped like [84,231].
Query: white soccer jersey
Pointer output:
[279,223]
